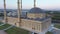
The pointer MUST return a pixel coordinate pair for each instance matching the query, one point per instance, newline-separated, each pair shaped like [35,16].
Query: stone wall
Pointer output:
[40,15]
[46,24]
[31,25]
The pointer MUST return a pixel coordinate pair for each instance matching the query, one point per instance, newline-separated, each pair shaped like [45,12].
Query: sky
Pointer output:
[28,4]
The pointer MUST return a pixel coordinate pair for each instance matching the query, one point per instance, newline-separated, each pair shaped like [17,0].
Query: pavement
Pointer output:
[2,32]
[55,30]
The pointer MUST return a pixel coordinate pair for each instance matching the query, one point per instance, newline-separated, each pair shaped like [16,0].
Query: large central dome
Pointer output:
[36,10]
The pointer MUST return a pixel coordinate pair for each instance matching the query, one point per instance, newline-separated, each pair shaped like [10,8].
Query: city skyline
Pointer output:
[27,4]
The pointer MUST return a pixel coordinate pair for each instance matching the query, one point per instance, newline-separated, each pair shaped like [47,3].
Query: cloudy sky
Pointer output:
[27,4]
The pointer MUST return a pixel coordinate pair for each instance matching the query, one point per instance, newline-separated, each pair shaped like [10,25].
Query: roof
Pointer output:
[36,10]
[38,19]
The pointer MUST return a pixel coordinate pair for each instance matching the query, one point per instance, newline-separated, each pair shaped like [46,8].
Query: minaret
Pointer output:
[5,13]
[21,5]
[34,3]
[19,11]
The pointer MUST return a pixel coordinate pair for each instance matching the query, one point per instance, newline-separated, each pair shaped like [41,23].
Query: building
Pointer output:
[36,21]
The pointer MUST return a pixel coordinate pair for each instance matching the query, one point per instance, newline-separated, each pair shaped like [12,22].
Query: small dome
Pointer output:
[36,10]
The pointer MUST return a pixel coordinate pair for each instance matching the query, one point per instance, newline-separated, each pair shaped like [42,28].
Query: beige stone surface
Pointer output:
[32,15]
[37,26]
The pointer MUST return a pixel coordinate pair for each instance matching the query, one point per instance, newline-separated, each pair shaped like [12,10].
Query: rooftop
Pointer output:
[36,10]
[36,19]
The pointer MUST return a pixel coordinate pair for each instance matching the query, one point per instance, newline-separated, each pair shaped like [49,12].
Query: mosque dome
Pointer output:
[36,10]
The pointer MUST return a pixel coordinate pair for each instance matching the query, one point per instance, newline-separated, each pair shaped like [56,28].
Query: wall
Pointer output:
[40,15]
[31,25]
[46,24]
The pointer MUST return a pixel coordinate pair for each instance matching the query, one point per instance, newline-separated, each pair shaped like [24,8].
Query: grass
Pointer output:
[49,32]
[13,30]
[57,26]
[4,26]
[16,30]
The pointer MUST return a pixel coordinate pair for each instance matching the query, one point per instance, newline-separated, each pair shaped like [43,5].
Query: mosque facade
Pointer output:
[37,21]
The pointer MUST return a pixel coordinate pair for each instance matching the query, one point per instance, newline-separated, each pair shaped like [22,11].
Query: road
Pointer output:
[55,30]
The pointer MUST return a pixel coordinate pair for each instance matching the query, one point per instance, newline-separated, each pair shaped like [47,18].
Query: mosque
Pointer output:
[37,21]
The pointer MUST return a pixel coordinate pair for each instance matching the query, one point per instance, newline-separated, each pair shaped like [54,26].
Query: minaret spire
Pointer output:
[34,3]
[19,11]
[5,15]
